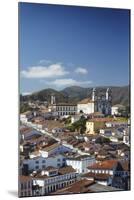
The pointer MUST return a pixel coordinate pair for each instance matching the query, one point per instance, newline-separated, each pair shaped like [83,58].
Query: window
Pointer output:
[37,167]
[58,165]
[25,186]
[43,161]
[49,180]
[21,186]
[58,159]
[37,162]
[29,184]
[43,166]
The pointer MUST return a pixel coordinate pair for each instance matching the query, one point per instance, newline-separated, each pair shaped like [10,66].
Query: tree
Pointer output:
[68,120]
[24,107]
[79,125]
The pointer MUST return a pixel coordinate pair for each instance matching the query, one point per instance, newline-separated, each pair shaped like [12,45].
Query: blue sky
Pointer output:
[61,46]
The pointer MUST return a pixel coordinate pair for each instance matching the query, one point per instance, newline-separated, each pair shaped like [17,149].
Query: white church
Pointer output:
[96,103]
[100,104]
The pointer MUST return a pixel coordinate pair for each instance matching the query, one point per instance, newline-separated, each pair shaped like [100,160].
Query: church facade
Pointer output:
[102,103]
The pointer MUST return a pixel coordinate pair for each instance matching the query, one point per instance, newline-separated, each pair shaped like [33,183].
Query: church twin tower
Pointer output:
[98,103]
[102,103]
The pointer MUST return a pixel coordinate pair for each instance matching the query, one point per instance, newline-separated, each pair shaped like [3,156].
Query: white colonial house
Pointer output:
[54,149]
[102,179]
[116,109]
[80,163]
[39,163]
[51,179]
[25,186]
[104,167]
[24,117]
[107,171]
[64,109]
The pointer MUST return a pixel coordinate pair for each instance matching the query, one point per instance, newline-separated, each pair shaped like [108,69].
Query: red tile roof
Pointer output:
[108,164]
[24,178]
[104,119]
[97,176]
[66,170]
[50,168]
[81,186]
[51,147]
[25,130]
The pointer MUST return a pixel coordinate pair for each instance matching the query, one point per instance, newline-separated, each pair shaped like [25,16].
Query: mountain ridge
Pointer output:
[120,94]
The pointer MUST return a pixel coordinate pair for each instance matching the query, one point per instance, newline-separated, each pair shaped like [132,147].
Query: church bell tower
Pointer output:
[108,95]
[52,99]
[93,94]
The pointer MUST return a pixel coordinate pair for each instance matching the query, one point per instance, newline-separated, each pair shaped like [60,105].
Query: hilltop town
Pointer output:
[68,147]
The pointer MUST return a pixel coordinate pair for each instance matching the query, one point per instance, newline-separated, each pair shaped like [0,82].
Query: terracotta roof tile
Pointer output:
[51,147]
[107,164]
[81,186]
[104,119]
[66,170]
[49,168]
[97,176]
[24,178]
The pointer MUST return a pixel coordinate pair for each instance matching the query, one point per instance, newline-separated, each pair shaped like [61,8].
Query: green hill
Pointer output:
[120,95]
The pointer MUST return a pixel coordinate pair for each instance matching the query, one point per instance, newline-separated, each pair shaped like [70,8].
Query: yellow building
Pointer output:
[90,127]
[94,125]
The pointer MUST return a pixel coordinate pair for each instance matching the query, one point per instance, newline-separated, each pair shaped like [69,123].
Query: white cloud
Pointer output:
[50,71]
[26,93]
[68,82]
[81,70]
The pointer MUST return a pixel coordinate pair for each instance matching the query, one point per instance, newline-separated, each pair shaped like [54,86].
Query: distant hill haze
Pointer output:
[74,94]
